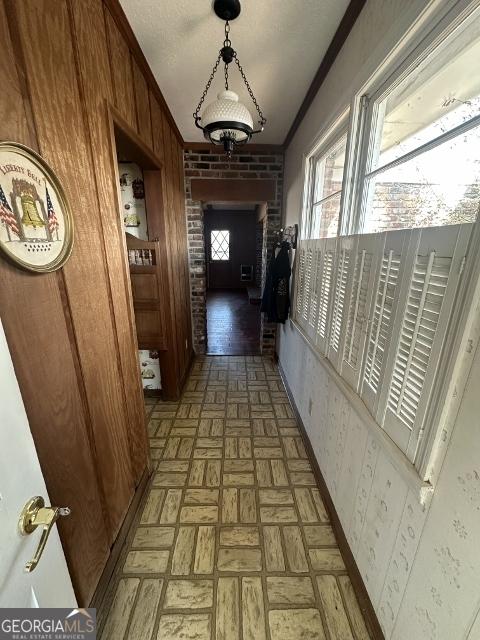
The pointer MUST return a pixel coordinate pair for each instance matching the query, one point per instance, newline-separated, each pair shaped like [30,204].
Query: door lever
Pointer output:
[36,514]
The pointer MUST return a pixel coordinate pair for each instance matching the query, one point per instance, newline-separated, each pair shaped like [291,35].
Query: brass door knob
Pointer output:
[36,514]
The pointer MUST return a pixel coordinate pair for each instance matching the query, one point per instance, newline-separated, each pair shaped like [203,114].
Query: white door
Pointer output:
[49,584]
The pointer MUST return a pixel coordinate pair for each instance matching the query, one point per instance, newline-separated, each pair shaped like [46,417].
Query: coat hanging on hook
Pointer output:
[276,295]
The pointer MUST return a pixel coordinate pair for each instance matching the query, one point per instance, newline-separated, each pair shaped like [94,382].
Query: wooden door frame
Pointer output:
[152,166]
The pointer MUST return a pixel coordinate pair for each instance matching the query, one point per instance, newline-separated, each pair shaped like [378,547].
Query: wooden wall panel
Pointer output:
[171,232]
[51,70]
[142,101]
[181,232]
[121,69]
[38,329]
[71,333]
[157,127]
[92,53]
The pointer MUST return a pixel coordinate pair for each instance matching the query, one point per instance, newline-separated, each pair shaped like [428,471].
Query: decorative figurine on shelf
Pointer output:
[147,374]
[123,181]
[138,189]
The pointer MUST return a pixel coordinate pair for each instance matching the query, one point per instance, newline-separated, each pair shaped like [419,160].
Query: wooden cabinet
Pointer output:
[147,293]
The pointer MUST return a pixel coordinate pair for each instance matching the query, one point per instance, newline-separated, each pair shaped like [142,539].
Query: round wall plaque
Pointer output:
[36,227]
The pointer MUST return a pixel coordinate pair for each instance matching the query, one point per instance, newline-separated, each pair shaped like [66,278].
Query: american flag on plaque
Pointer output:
[52,218]
[7,217]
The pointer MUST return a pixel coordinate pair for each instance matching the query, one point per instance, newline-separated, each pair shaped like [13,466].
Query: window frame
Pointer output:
[366,111]
[321,148]
[220,260]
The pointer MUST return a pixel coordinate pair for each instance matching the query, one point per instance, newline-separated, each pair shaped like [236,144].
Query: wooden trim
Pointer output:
[233,190]
[136,504]
[126,30]
[341,34]
[355,576]
[244,150]
[131,142]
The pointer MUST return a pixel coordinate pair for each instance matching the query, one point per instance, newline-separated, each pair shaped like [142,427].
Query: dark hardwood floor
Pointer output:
[233,324]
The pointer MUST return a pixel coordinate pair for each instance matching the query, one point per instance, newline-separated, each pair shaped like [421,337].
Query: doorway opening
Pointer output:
[140,202]
[234,257]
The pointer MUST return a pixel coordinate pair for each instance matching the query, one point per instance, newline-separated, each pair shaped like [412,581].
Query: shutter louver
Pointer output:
[300,283]
[316,286]
[325,292]
[386,295]
[359,308]
[340,296]
[307,286]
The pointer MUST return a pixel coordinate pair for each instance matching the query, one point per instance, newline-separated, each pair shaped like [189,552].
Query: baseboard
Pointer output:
[356,579]
[186,373]
[117,546]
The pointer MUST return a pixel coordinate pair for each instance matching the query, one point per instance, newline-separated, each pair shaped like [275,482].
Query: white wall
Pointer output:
[420,564]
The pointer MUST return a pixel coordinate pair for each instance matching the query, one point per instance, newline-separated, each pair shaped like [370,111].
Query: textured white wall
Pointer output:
[420,564]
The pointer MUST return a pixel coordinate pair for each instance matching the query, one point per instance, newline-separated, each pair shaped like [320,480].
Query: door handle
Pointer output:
[36,514]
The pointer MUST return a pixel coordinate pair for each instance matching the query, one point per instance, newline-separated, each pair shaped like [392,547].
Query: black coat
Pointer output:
[276,295]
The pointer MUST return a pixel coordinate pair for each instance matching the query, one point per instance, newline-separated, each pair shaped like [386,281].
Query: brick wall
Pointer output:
[244,165]
[398,205]
[259,254]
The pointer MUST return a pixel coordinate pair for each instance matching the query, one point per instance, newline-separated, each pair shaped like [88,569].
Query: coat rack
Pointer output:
[288,235]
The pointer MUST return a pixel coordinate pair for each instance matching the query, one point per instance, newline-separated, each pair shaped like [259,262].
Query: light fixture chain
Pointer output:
[227,42]
[207,87]
[226,76]
[254,100]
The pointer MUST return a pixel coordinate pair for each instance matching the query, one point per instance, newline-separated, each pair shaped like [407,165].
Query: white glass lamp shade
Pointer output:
[227,116]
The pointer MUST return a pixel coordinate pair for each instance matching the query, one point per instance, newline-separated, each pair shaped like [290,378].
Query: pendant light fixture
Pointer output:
[227,121]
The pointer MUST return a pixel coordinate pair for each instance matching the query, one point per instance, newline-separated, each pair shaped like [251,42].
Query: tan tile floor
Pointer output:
[233,541]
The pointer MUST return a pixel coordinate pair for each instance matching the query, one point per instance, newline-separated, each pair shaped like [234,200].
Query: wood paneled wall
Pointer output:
[71,333]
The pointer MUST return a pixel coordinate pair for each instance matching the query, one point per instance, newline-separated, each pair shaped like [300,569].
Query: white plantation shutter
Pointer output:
[325,292]
[368,248]
[300,283]
[307,283]
[315,287]
[386,293]
[345,250]
[426,299]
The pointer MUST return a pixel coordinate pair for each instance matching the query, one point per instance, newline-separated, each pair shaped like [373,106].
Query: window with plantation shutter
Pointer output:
[386,304]
[386,293]
[425,306]
[325,293]
[366,251]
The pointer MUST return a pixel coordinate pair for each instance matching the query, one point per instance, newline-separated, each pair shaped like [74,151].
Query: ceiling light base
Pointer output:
[227,9]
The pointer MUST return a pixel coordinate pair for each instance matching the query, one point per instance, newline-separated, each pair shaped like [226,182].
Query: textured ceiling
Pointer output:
[280,44]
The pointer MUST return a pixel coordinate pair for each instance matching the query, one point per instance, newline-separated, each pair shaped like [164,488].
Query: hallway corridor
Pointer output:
[233,540]
[233,324]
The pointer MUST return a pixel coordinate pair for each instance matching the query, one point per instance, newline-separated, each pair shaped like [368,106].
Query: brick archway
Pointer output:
[252,177]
